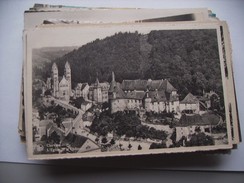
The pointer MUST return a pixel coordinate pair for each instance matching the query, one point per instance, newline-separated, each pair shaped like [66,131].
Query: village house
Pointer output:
[189,122]
[190,104]
[195,104]
[81,90]
[98,92]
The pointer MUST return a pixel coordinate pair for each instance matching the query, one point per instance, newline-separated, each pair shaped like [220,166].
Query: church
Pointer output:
[61,87]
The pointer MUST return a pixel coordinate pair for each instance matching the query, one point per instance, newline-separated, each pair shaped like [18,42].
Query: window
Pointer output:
[207,130]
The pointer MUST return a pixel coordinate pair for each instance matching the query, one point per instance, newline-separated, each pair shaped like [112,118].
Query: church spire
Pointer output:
[97,81]
[55,79]
[67,74]
[113,76]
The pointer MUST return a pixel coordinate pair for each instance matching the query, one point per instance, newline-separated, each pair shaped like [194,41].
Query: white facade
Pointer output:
[64,90]
[194,107]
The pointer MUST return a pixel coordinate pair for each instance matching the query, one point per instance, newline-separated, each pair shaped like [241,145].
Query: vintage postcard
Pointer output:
[68,15]
[125,89]
[112,15]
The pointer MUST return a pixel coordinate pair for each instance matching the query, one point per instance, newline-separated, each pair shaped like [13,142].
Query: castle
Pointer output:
[149,95]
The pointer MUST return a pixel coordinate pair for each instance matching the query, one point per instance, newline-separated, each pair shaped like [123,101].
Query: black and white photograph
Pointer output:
[129,91]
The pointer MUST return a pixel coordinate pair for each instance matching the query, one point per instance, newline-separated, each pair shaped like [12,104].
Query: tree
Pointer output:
[173,136]
[104,140]
[129,146]
[139,147]
[54,138]
[120,146]
[97,140]
[157,146]
[112,142]
[198,129]
[200,139]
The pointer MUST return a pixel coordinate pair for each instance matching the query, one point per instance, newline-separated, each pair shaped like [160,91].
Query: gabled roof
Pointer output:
[119,92]
[80,101]
[116,87]
[154,84]
[149,84]
[74,140]
[67,124]
[190,120]
[202,98]
[45,122]
[167,86]
[54,66]
[67,65]
[81,86]
[197,120]
[64,81]
[189,99]
[89,145]
[134,85]
[97,84]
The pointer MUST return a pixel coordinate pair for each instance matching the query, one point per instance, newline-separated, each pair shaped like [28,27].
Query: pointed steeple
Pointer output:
[147,93]
[67,65]
[67,74]
[113,76]
[55,80]
[54,67]
[97,81]
[113,84]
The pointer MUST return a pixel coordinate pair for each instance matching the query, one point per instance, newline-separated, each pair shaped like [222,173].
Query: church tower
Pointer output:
[67,74]
[55,79]
[113,87]
[148,102]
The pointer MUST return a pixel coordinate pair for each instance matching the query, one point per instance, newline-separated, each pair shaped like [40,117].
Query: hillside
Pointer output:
[188,58]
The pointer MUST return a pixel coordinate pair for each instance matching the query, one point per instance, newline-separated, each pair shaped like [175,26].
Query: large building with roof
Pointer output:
[188,124]
[98,92]
[149,95]
[61,86]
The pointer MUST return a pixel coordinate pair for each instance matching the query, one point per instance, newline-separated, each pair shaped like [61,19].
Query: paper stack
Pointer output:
[101,82]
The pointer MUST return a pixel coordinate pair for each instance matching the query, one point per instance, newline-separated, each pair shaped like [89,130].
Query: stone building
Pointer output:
[61,87]
[150,95]
[98,92]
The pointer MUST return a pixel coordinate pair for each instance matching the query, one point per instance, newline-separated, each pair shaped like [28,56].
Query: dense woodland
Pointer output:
[188,58]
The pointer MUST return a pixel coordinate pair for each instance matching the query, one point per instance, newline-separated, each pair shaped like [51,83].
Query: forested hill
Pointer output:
[188,58]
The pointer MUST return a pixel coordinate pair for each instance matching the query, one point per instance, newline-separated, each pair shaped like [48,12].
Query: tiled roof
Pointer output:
[63,81]
[149,84]
[190,99]
[134,85]
[135,95]
[116,87]
[81,86]
[45,122]
[167,86]
[202,98]
[197,120]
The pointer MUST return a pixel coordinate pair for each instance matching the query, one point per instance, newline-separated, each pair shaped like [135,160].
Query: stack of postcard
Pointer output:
[101,82]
